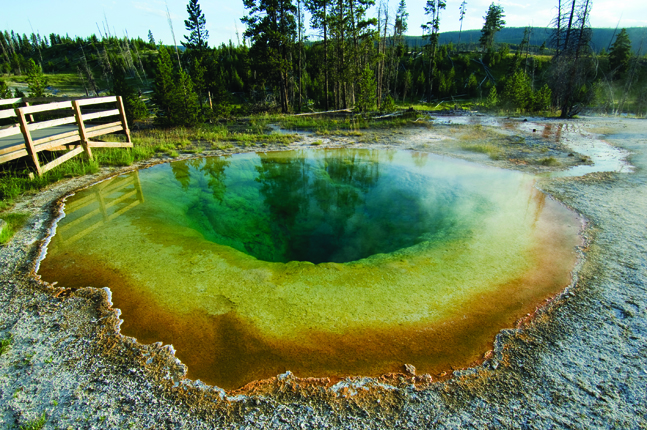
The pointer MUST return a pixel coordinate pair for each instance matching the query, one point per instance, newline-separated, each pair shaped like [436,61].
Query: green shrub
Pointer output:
[549,161]
[5,344]
[388,105]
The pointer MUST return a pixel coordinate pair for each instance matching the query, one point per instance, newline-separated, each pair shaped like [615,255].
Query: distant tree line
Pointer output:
[356,62]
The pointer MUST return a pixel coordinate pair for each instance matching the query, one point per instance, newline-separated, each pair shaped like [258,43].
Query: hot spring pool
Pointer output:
[322,262]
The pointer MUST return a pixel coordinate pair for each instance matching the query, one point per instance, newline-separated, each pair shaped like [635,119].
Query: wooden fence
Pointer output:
[74,140]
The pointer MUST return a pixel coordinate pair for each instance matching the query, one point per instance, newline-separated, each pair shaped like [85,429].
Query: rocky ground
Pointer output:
[581,362]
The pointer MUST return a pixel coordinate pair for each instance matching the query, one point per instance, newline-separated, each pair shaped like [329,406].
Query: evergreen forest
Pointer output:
[362,60]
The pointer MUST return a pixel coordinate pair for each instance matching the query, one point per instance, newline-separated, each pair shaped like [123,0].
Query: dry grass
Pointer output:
[477,132]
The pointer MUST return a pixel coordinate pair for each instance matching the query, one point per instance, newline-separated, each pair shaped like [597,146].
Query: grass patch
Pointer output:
[245,133]
[252,139]
[477,132]
[5,344]
[325,125]
[437,106]
[493,151]
[36,424]
[15,182]
[14,223]
[221,145]
[549,161]
[66,83]
[113,156]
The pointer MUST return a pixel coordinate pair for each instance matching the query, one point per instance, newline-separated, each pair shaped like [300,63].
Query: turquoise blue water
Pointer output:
[324,206]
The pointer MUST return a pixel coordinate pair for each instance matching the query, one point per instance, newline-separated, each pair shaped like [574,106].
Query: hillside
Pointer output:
[601,37]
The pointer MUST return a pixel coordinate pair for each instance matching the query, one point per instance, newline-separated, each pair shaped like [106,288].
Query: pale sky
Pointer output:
[80,18]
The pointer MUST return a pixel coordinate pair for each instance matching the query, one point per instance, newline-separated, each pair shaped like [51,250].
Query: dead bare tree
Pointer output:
[88,73]
[572,67]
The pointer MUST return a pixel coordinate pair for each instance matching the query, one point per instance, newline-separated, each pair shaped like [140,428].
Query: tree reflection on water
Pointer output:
[327,206]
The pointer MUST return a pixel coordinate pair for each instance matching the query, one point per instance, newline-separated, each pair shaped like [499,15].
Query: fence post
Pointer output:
[31,117]
[29,143]
[79,123]
[124,120]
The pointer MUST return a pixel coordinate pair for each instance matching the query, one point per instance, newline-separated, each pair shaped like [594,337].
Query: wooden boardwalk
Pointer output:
[68,132]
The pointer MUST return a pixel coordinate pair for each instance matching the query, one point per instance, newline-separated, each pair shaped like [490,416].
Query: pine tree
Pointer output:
[339,29]
[5,50]
[517,93]
[5,92]
[151,39]
[493,23]
[133,105]
[198,72]
[398,49]
[420,83]
[272,28]
[319,13]
[541,100]
[186,101]
[17,63]
[196,24]
[492,99]
[36,80]
[173,94]
[401,17]
[163,87]
[237,83]
[407,82]
[366,91]
[220,97]
[388,105]
[461,15]
[432,27]
[472,85]
[300,31]
[360,34]
[620,53]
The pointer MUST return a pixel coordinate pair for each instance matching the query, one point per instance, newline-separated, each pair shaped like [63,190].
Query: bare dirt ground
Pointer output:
[580,362]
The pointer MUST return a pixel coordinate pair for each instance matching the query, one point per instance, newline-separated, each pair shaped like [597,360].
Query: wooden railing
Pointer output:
[75,141]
